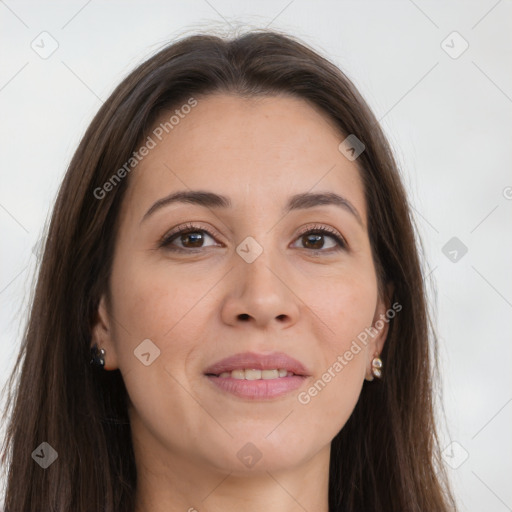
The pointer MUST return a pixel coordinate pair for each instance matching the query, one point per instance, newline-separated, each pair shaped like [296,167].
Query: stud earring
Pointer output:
[97,357]
[377,367]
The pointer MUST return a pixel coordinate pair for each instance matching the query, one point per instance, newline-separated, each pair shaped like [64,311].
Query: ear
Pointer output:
[102,334]
[380,325]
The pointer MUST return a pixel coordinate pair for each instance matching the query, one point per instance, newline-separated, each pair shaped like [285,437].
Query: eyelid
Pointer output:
[321,227]
[325,230]
[188,226]
[191,227]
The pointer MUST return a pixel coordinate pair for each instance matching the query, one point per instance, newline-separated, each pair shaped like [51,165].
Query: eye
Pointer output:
[190,236]
[313,238]
[193,237]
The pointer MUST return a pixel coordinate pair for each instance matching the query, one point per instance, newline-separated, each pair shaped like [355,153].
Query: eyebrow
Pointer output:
[296,202]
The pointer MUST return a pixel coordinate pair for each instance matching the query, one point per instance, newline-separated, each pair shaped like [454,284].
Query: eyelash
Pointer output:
[192,228]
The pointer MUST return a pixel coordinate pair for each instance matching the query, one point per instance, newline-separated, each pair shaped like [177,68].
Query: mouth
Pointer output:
[254,374]
[257,376]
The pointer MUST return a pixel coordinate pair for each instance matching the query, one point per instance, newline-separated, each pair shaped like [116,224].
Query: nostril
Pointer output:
[244,316]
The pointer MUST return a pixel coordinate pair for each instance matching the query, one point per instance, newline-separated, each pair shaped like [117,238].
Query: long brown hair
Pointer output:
[386,457]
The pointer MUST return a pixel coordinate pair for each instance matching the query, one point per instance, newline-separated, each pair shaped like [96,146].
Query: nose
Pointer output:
[260,295]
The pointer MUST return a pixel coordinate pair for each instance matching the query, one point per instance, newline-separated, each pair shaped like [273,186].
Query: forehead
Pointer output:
[248,149]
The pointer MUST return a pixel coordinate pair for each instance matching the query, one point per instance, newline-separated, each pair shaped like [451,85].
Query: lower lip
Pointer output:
[261,389]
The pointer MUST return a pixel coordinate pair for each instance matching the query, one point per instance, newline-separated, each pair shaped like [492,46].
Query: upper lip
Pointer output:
[251,360]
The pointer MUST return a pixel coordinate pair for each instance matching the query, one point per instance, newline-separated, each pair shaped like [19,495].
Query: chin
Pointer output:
[250,453]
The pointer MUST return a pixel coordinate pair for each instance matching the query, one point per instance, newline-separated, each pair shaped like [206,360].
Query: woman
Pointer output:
[233,244]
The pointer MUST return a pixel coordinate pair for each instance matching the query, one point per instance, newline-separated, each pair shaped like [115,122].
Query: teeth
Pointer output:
[252,374]
[237,374]
[269,374]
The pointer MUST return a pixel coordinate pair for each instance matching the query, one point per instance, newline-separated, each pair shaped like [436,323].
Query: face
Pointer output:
[204,289]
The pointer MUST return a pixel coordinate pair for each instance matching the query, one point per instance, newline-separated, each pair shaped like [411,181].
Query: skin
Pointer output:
[309,304]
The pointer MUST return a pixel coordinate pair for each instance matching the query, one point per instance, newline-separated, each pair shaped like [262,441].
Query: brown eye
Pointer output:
[195,238]
[190,237]
[314,239]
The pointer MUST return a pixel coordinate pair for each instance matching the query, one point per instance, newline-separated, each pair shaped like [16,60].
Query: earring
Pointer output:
[377,367]
[97,357]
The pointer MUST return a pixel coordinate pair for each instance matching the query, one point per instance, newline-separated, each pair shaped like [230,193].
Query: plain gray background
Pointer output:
[447,113]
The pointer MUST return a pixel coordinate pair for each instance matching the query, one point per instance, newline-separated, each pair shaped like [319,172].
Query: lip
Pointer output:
[258,389]
[245,360]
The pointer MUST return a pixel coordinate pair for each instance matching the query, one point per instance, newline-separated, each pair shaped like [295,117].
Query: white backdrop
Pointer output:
[444,99]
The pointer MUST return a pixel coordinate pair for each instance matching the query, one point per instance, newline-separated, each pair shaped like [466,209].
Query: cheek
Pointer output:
[345,306]
[328,402]
[152,300]
[170,309]
[166,304]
